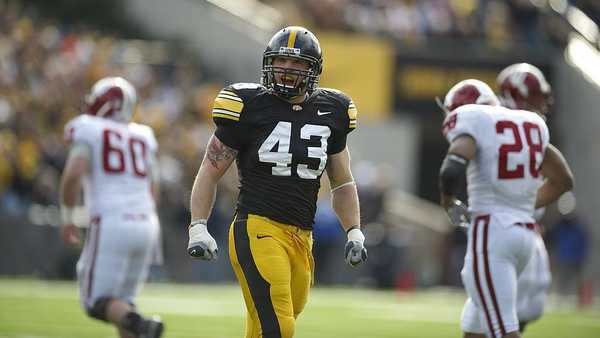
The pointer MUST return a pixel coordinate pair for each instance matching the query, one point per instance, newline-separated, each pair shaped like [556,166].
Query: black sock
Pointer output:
[132,322]
[522,326]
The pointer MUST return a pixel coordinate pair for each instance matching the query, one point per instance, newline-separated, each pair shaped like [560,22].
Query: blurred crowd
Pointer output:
[498,22]
[47,68]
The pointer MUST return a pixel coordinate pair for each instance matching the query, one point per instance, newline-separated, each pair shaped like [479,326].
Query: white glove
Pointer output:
[356,252]
[201,245]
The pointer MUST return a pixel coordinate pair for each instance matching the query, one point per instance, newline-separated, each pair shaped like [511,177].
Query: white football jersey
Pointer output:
[121,157]
[505,175]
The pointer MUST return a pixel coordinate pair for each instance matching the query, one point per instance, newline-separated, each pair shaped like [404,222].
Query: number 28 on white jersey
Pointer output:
[505,175]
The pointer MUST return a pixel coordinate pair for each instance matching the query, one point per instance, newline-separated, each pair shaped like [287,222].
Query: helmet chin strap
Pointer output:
[292,98]
[299,98]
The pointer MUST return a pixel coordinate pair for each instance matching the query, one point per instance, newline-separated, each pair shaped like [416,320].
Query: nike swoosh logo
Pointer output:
[262,236]
[323,112]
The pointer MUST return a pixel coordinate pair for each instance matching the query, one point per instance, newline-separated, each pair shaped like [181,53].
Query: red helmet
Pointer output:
[111,97]
[523,86]
[470,91]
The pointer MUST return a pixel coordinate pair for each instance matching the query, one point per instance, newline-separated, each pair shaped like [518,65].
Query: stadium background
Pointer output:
[392,56]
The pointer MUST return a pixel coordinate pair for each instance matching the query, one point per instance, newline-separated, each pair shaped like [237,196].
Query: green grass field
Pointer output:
[36,309]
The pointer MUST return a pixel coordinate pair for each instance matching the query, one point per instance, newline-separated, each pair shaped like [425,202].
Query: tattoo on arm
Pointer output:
[217,152]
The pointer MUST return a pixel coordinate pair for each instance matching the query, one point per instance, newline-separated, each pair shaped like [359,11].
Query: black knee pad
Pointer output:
[98,310]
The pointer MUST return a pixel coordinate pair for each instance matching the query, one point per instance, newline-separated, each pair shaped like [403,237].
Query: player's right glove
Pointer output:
[201,245]
[458,214]
[356,252]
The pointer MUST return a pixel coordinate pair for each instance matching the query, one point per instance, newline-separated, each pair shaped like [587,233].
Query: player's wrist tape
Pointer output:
[342,185]
[457,158]
[195,231]
[352,228]
[198,221]
[451,172]
[356,235]
[66,214]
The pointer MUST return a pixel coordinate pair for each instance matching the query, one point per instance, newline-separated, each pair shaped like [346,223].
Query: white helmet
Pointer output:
[111,97]
[523,86]
[470,91]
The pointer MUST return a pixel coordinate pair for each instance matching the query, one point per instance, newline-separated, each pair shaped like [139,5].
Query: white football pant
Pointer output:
[117,255]
[533,284]
[497,253]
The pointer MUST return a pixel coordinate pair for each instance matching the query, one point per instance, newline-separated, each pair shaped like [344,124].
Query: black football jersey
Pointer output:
[282,147]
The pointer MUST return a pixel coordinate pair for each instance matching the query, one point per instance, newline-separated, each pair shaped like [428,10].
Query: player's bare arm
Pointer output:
[558,177]
[217,160]
[70,186]
[344,200]
[461,151]
[155,179]
[344,197]
[219,155]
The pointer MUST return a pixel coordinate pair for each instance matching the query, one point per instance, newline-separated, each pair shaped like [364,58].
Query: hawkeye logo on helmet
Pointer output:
[288,50]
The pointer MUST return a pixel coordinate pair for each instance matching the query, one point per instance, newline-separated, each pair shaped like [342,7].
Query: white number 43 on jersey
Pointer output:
[280,138]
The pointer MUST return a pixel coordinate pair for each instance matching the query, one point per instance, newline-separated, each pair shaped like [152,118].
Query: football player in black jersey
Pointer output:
[283,133]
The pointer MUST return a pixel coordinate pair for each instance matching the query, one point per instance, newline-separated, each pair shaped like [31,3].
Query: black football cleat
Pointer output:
[152,328]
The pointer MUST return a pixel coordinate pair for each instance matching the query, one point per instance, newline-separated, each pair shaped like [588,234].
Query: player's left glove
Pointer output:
[356,252]
[201,245]
[458,214]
